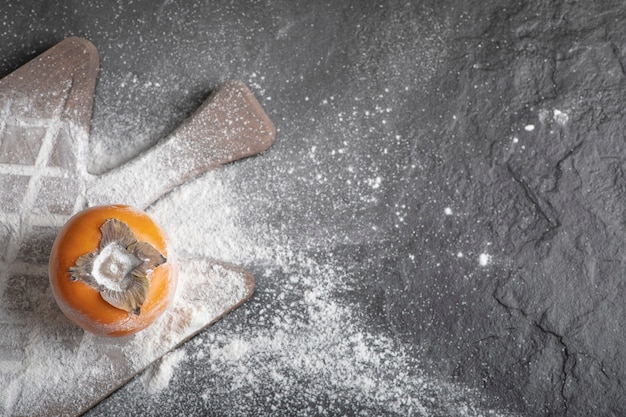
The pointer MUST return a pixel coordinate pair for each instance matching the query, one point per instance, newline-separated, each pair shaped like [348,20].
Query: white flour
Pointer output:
[301,350]
[158,376]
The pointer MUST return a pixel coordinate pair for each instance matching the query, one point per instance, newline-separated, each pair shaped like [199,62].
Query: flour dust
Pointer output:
[295,348]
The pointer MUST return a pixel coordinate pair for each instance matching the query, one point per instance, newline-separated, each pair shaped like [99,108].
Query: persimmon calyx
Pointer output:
[120,268]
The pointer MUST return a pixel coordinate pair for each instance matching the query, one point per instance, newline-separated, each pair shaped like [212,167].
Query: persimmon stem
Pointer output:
[112,267]
[120,268]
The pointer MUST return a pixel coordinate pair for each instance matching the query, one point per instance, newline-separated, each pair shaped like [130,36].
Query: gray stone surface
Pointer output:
[414,137]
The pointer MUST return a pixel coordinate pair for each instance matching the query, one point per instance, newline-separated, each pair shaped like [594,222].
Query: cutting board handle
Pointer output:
[228,126]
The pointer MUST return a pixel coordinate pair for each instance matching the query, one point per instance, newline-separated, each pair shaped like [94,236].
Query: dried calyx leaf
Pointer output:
[116,231]
[131,299]
[150,257]
[119,268]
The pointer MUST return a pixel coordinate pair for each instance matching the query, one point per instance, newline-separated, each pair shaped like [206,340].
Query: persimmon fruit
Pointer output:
[112,270]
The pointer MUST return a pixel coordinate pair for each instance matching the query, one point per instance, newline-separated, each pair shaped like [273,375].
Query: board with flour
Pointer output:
[48,366]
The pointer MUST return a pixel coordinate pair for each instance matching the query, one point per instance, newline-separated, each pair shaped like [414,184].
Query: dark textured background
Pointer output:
[435,98]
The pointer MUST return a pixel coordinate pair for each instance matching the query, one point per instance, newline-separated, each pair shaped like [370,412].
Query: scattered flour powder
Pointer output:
[158,376]
[295,348]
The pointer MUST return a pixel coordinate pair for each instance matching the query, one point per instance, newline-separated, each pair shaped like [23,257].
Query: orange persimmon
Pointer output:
[112,270]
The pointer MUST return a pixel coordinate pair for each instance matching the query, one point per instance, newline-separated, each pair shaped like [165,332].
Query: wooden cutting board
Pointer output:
[48,366]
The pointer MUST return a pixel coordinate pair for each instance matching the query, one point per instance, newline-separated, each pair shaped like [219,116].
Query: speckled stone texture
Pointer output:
[532,144]
[459,162]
